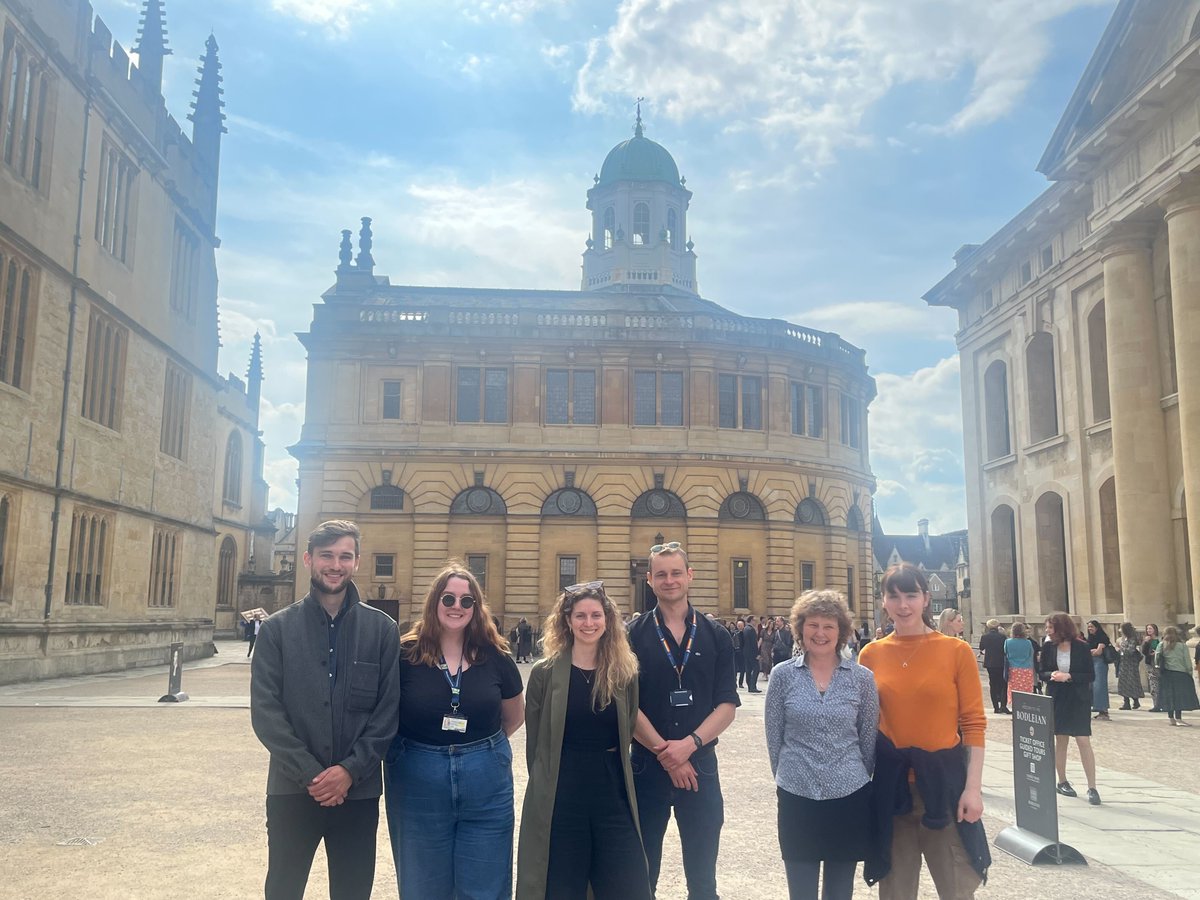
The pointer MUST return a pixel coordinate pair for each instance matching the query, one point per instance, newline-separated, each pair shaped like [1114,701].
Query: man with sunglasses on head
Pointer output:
[687,697]
[325,702]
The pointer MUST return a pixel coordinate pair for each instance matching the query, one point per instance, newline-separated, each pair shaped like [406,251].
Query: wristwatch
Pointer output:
[699,743]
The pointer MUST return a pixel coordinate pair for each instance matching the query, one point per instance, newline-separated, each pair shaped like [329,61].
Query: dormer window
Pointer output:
[610,225]
[641,225]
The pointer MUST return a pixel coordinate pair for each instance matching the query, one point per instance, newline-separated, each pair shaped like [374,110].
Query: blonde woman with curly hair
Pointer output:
[822,717]
[449,772]
[579,824]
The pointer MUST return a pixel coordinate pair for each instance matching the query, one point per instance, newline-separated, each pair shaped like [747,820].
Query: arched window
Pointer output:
[854,519]
[1110,549]
[226,573]
[478,501]
[744,506]
[809,511]
[658,503]
[1043,394]
[641,225]
[569,501]
[1052,552]
[995,410]
[1098,363]
[672,230]
[232,492]
[610,225]
[1004,561]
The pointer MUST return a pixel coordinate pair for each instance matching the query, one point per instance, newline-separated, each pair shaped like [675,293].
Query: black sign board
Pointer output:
[1033,764]
[1034,838]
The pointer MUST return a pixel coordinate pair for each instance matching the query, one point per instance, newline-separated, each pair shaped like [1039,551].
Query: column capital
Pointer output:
[1124,237]
[1183,195]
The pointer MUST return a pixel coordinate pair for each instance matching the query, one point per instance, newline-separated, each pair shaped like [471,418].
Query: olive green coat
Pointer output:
[545,719]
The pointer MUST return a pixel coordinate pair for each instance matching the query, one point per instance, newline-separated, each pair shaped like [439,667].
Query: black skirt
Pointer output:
[1177,691]
[1072,708]
[838,830]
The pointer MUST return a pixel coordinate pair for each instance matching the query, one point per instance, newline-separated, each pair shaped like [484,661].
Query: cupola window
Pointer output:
[610,225]
[672,230]
[641,225]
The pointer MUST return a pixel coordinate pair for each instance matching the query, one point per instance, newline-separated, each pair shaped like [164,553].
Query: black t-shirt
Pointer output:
[709,675]
[425,699]
[586,728]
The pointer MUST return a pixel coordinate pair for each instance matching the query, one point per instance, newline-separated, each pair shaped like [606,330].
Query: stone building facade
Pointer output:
[1080,348]
[130,485]
[549,437]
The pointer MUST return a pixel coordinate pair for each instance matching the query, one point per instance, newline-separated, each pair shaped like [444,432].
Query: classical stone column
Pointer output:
[1138,435]
[1183,238]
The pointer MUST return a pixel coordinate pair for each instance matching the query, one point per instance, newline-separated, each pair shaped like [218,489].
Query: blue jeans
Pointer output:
[699,816]
[1100,685]
[450,815]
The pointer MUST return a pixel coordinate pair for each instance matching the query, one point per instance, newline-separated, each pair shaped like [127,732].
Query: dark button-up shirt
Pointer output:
[709,674]
[333,624]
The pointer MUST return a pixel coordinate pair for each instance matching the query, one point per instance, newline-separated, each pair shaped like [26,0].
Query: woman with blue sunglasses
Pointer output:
[448,779]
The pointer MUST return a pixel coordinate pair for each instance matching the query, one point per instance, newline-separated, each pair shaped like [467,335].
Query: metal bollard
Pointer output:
[175,692]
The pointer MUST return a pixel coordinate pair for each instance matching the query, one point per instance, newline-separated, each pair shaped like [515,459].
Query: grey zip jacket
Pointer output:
[308,725]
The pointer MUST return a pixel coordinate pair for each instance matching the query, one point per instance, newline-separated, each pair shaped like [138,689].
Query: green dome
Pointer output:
[639,159]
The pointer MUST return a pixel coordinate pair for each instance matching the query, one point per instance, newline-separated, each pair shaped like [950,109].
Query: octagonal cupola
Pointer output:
[639,206]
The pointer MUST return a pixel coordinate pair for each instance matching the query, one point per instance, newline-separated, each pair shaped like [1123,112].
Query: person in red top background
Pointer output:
[931,712]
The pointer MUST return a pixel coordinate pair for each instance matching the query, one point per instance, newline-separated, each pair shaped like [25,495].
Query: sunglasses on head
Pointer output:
[466,602]
[666,548]
[583,587]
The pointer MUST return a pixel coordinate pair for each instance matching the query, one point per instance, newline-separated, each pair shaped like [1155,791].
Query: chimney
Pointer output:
[923,531]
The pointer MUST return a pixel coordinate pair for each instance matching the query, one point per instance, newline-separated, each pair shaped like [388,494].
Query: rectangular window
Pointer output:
[163,568]
[18,305]
[114,201]
[807,575]
[988,303]
[851,421]
[482,395]
[815,407]
[1047,257]
[177,407]
[568,571]
[1026,272]
[87,557]
[850,587]
[570,397]
[185,273]
[657,398]
[104,371]
[26,91]
[741,584]
[477,564]
[385,565]
[739,402]
[391,400]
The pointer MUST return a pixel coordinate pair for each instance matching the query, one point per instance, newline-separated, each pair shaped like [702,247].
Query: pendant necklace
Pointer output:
[920,644]
[587,676]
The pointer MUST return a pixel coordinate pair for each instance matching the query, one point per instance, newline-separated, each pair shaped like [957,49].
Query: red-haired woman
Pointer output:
[1067,669]
[449,772]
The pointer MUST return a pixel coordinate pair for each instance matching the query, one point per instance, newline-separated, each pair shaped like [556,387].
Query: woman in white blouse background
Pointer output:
[822,714]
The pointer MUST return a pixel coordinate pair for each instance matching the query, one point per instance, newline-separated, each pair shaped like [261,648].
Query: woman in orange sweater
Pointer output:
[931,715]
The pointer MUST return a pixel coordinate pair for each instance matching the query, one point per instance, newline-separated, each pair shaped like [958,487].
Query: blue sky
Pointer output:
[839,153]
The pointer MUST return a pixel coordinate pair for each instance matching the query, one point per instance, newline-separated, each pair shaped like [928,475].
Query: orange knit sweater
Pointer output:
[935,698]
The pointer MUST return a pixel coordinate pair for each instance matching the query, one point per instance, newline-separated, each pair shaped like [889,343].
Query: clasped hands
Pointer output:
[331,786]
[675,757]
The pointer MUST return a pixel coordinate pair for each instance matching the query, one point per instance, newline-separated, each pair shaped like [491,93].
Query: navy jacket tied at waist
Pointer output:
[941,776]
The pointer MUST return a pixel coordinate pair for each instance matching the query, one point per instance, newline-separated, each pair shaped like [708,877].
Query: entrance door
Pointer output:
[646,598]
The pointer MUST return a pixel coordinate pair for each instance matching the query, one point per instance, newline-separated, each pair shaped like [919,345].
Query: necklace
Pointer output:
[587,676]
[920,644]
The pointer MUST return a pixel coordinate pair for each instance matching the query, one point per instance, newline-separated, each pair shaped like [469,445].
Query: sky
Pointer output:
[838,154]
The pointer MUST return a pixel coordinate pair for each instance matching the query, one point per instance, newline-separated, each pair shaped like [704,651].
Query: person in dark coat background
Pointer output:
[750,656]
[524,640]
[991,645]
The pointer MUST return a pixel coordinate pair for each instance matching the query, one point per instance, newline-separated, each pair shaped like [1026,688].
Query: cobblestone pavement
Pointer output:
[108,794]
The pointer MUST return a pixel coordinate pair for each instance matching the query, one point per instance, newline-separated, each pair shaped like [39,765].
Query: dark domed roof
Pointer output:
[639,159]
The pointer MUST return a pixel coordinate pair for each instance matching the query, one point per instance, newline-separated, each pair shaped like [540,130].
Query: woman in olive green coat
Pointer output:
[579,823]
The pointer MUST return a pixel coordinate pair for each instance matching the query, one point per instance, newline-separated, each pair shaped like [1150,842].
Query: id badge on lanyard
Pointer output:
[454,721]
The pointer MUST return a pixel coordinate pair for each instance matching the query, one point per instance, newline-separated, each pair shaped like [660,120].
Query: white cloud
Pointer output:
[805,72]
[511,10]
[916,448]
[336,15]
[873,318]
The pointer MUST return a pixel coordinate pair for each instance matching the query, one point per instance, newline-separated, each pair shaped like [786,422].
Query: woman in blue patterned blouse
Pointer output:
[822,714]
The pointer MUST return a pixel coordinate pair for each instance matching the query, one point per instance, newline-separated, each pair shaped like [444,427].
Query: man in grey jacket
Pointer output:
[325,702]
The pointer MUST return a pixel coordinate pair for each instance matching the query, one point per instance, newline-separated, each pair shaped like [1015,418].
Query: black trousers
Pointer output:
[593,838]
[998,687]
[752,675]
[296,824]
